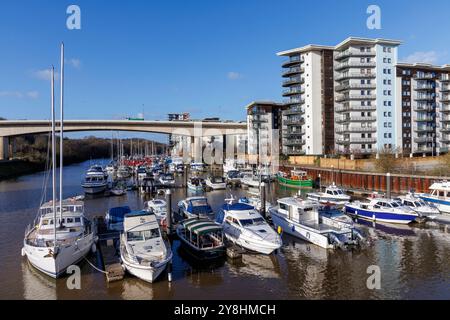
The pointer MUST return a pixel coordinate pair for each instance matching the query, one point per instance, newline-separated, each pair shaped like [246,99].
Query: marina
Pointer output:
[298,269]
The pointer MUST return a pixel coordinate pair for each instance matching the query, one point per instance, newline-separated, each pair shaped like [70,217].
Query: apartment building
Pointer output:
[264,124]
[308,121]
[423,105]
[365,87]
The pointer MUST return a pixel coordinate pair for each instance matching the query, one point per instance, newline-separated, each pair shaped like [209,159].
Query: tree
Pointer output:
[386,160]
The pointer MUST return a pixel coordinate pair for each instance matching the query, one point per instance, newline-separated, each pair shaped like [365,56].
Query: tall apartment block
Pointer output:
[365,89]
[423,106]
[308,121]
[263,121]
[340,98]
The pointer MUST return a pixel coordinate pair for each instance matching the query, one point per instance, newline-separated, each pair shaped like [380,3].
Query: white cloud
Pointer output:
[13,94]
[74,62]
[232,75]
[44,74]
[20,95]
[431,57]
[32,94]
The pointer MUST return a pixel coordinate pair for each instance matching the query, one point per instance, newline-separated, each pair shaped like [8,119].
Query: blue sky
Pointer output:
[209,58]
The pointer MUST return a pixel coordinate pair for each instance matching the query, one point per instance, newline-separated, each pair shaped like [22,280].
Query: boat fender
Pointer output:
[94,248]
[280,230]
[23,252]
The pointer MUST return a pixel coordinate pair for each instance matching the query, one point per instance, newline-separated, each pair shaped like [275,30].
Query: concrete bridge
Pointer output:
[194,129]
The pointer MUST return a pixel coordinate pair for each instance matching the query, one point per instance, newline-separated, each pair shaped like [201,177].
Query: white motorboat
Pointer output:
[194,207]
[167,179]
[96,170]
[94,183]
[424,209]
[216,183]
[440,197]
[196,184]
[141,173]
[111,168]
[302,219]
[118,191]
[198,166]
[143,251]
[158,207]
[123,172]
[244,226]
[61,235]
[250,180]
[332,195]
[382,210]
[255,201]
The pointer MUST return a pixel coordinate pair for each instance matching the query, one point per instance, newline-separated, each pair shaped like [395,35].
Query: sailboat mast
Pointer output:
[52,81]
[61,137]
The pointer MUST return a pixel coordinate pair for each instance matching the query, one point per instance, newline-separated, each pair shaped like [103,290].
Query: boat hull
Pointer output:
[69,255]
[148,274]
[94,189]
[442,205]
[295,183]
[299,231]
[380,216]
[252,245]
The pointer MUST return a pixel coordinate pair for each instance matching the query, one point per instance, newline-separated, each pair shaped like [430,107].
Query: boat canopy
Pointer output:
[199,206]
[237,207]
[200,226]
[117,215]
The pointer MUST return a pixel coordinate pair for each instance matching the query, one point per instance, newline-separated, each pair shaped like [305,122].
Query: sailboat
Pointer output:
[61,235]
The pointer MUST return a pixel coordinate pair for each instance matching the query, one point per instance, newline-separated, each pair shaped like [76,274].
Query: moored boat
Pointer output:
[143,251]
[202,238]
[382,210]
[216,183]
[244,226]
[303,219]
[196,184]
[332,195]
[115,216]
[296,179]
[195,207]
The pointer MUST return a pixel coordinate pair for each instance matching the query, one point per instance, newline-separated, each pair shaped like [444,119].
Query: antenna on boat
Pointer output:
[61,139]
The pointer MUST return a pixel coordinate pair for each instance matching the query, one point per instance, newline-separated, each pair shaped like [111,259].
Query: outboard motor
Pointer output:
[334,239]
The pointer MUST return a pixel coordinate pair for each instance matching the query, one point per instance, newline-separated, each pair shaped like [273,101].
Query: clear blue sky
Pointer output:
[209,58]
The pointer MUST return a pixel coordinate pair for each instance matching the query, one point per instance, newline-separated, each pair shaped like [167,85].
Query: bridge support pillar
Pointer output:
[196,149]
[4,148]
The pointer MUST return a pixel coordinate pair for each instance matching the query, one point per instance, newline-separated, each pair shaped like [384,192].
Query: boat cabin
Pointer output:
[202,233]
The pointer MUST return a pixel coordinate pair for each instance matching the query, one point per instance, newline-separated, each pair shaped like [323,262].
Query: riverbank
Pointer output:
[15,168]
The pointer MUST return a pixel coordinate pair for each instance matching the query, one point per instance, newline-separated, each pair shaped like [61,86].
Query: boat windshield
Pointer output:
[418,204]
[143,235]
[395,204]
[249,222]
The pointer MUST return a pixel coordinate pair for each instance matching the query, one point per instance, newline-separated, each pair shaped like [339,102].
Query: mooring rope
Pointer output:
[93,266]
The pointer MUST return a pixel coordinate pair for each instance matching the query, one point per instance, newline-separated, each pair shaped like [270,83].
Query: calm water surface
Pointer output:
[414,261]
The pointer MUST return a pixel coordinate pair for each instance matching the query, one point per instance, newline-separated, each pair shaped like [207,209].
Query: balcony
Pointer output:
[356,130]
[424,108]
[445,98]
[445,139]
[293,61]
[424,97]
[345,97]
[290,71]
[293,91]
[424,129]
[294,101]
[445,78]
[424,150]
[294,152]
[294,122]
[355,75]
[444,108]
[356,141]
[424,87]
[423,139]
[294,111]
[354,107]
[445,129]
[354,53]
[292,133]
[423,119]
[445,88]
[355,86]
[346,65]
[424,76]
[355,119]
[292,81]
[294,142]
[445,119]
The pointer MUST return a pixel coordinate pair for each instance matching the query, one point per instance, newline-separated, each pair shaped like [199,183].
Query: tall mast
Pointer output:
[61,138]
[52,81]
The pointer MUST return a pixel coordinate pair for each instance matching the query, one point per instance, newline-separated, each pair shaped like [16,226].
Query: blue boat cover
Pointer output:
[237,207]
[118,214]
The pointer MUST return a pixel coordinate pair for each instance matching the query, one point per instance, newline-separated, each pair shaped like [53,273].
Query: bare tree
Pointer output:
[386,160]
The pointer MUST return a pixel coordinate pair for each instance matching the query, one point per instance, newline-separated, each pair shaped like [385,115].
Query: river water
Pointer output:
[414,260]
